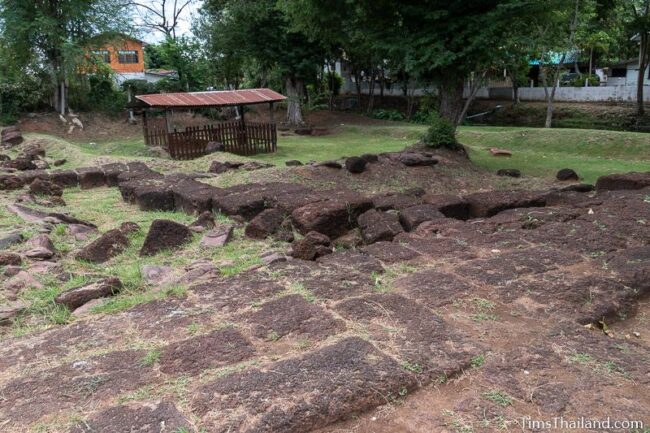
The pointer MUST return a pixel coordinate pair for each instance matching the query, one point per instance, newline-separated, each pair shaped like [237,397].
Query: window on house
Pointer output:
[103,55]
[127,56]
[619,72]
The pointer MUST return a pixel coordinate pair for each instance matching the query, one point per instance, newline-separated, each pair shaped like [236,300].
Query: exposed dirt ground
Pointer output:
[497,304]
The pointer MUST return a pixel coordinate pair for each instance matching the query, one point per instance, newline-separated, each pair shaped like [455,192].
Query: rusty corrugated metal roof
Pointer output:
[219,98]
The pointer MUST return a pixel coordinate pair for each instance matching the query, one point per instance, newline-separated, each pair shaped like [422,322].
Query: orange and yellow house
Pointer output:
[125,56]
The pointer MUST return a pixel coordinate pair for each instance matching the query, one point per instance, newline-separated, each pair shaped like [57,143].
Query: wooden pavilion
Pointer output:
[237,136]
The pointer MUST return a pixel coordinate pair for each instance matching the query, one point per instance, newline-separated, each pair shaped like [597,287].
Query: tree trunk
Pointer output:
[643,63]
[294,101]
[381,85]
[515,93]
[357,84]
[331,85]
[64,102]
[371,92]
[450,93]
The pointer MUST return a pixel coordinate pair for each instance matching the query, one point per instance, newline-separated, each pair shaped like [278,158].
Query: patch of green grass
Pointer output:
[346,140]
[413,367]
[483,304]
[542,152]
[272,336]
[478,360]
[300,289]
[580,358]
[499,397]
[150,358]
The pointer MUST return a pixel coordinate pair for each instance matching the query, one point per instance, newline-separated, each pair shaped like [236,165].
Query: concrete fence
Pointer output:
[568,94]
[562,94]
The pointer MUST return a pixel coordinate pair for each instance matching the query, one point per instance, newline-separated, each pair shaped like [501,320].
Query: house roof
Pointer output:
[221,98]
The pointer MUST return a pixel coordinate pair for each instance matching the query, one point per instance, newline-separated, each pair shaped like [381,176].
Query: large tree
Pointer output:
[55,34]
[637,14]
[445,43]
[260,34]
[163,16]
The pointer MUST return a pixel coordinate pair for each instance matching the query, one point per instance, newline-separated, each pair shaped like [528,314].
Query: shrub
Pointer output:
[441,133]
[336,82]
[579,81]
[387,115]
[139,87]
[21,94]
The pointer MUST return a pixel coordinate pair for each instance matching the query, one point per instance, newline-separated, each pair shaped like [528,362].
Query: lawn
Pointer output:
[542,152]
[537,152]
[349,140]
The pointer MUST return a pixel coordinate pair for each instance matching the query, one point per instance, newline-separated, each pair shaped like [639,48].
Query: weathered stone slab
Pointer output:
[304,393]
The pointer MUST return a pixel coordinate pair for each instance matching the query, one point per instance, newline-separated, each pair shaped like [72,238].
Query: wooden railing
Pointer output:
[236,137]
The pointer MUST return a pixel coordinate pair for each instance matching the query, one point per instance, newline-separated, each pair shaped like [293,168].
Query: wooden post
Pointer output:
[243,139]
[168,121]
[271,112]
[144,127]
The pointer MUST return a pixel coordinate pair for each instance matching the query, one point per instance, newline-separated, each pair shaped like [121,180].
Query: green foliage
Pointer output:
[441,132]
[19,95]
[51,37]
[333,83]
[387,115]
[499,397]
[139,87]
[579,81]
[97,92]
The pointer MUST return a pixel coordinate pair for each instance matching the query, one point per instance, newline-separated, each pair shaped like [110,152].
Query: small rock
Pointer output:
[78,296]
[59,162]
[80,231]
[215,146]
[7,259]
[413,216]
[413,159]
[10,239]
[293,163]
[272,257]
[500,152]
[86,308]
[22,280]
[11,270]
[153,274]
[511,172]
[39,253]
[379,226]
[567,174]
[217,237]
[41,164]
[105,247]
[284,235]
[10,311]
[165,235]
[128,227]
[350,240]
[329,164]
[11,136]
[312,246]
[355,165]
[4,157]
[218,167]
[265,224]
[42,247]
[45,187]
[204,222]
